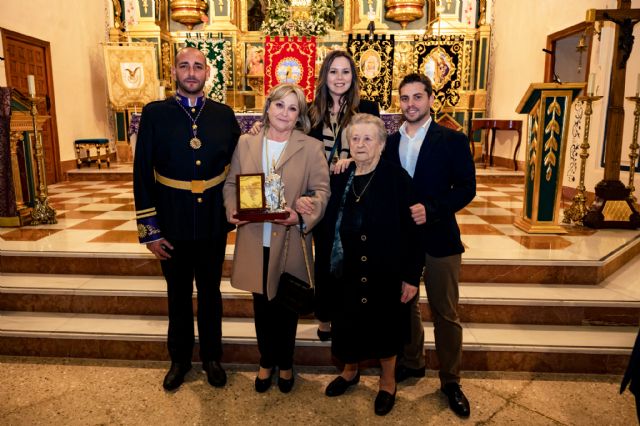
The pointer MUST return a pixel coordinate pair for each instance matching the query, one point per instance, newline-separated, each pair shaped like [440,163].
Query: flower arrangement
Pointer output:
[279,20]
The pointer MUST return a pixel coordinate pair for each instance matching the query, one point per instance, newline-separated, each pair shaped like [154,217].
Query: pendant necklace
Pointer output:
[353,187]
[194,143]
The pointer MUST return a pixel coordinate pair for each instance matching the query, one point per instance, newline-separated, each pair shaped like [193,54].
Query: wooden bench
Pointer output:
[87,144]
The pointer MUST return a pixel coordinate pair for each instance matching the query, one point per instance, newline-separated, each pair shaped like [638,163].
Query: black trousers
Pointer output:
[201,259]
[275,327]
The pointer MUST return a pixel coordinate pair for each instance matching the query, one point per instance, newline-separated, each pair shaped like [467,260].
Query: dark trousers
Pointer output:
[203,260]
[275,327]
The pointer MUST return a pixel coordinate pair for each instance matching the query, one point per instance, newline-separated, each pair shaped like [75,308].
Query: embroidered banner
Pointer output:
[217,52]
[441,59]
[132,74]
[374,61]
[290,60]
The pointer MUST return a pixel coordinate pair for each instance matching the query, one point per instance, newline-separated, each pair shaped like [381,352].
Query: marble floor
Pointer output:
[87,392]
[98,217]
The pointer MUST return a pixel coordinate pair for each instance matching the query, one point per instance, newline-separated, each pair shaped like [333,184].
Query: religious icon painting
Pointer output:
[439,67]
[370,64]
[289,70]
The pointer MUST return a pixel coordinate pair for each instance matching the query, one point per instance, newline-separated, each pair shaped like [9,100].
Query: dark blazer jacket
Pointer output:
[444,182]
[367,106]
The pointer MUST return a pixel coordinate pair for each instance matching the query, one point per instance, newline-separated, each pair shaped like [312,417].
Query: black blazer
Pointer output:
[444,182]
[369,107]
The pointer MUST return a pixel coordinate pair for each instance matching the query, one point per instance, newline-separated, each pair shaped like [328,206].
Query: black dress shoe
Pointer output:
[324,336]
[339,385]
[384,403]
[285,385]
[175,375]
[457,401]
[215,374]
[403,373]
[263,385]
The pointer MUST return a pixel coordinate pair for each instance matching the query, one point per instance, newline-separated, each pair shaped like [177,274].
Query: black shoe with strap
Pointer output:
[175,376]
[215,374]
[457,401]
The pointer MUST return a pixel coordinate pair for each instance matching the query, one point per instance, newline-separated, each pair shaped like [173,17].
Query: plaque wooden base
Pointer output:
[260,216]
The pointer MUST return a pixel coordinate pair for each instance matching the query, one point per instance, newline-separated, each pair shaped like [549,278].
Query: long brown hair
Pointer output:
[321,106]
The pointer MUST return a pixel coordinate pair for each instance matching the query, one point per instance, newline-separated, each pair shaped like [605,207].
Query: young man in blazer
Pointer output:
[440,162]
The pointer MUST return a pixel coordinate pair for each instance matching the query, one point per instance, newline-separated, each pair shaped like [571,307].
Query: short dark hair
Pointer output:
[417,78]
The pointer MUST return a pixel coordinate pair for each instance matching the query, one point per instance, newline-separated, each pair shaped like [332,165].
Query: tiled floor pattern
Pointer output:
[98,217]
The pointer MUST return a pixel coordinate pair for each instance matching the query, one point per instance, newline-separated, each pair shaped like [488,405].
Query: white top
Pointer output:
[410,146]
[275,151]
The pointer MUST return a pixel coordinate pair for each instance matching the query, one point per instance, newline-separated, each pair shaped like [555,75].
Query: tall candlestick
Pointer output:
[31,84]
[592,80]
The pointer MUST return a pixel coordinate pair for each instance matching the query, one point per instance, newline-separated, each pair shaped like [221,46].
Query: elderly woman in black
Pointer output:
[374,260]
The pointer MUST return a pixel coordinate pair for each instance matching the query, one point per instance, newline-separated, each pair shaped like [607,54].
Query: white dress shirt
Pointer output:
[410,146]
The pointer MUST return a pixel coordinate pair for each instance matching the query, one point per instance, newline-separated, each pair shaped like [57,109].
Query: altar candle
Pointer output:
[592,80]
[161,93]
[31,83]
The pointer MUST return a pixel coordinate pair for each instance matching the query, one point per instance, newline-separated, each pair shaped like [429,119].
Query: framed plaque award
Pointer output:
[260,199]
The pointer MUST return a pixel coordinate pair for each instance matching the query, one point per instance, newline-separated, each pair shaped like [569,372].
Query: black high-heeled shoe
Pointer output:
[285,385]
[263,385]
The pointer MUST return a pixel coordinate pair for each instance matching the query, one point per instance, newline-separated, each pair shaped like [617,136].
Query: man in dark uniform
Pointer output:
[182,157]
[439,161]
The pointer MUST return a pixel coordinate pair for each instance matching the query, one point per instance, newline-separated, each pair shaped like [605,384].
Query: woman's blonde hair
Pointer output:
[281,91]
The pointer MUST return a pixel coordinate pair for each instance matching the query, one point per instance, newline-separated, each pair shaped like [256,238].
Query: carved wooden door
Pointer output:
[26,55]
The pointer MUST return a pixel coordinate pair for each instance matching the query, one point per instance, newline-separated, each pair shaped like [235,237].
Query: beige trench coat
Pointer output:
[303,168]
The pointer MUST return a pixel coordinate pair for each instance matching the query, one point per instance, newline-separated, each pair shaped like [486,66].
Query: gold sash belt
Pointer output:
[195,186]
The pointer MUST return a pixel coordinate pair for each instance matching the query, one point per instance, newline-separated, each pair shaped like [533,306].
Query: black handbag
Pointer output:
[294,293]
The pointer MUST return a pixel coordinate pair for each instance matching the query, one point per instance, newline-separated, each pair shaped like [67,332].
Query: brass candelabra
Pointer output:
[42,213]
[578,209]
[633,148]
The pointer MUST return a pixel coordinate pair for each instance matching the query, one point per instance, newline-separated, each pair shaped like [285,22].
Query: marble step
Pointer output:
[613,303]
[589,272]
[505,347]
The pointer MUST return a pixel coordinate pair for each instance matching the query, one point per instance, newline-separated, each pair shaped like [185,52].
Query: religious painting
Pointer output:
[289,70]
[250,192]
[439,67]
[370,64]
[131,74]
[254,59]
[256,12]
[451,8]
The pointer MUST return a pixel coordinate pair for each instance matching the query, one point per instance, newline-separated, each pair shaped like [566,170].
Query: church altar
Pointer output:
[447,40]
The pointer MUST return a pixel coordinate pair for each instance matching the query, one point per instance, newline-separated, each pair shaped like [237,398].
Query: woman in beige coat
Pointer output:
[281,148]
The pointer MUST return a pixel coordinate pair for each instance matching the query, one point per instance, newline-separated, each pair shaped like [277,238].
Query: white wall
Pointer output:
[74,29]
[520,30]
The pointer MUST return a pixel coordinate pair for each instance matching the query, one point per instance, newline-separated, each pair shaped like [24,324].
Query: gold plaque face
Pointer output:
[250,192]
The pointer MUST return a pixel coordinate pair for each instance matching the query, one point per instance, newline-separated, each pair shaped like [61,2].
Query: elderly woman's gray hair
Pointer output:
[363,118]
[281,91]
